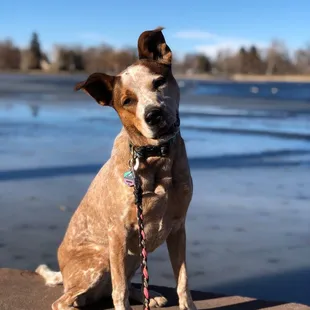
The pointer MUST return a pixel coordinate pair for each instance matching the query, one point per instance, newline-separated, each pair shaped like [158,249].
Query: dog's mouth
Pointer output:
[166,132]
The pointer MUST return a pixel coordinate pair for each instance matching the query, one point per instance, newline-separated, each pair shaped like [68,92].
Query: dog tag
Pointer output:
[128,178]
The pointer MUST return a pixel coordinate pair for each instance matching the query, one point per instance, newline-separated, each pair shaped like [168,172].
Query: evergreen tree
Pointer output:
[35,52]
[255,61]
[243,60]
[203,64]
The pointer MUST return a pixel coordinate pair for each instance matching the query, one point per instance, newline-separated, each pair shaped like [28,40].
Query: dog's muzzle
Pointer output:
[153,116]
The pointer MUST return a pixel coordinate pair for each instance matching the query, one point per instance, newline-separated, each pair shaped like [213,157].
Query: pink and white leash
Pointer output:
[142,237]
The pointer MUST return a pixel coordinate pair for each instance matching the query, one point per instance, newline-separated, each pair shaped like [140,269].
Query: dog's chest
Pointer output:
[160,217]
[165,199]
[156,231]
[156,220]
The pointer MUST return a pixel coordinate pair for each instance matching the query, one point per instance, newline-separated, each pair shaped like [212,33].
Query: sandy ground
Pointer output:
[248,225]
[249,77]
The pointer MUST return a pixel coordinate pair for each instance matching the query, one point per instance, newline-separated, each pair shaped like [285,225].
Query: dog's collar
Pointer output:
[146,151]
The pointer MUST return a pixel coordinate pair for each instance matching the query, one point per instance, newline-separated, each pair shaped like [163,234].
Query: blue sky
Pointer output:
[197,25]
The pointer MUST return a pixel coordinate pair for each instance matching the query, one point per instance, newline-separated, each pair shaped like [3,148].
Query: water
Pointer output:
[264,90]
[248,225]
[53,86]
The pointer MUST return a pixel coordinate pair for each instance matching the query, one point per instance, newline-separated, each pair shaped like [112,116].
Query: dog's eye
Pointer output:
[127,101]
[159,82]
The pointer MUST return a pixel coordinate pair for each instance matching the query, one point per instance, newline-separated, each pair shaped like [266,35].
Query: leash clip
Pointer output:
[136,165]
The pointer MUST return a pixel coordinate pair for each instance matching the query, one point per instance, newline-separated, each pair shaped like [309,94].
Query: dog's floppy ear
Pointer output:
[99,86]
[152,45]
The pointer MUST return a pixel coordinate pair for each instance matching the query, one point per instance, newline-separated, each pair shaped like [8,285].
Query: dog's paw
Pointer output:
[187,304]
[157,300]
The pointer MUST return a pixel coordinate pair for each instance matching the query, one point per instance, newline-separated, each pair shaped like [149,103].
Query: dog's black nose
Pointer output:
[153,116]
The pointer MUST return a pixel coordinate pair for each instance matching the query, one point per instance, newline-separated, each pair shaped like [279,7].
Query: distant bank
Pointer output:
[248,78]
[210,77]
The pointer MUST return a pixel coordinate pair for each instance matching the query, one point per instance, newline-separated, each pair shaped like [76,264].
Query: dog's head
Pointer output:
[145,95]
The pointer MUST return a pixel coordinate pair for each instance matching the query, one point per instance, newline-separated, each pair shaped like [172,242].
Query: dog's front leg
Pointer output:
[176,243]
[118,252]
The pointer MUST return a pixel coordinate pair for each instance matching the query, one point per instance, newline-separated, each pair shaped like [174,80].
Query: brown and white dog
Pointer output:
[100,251]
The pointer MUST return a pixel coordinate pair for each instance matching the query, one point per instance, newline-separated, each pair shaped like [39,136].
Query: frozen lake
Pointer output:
[249,223]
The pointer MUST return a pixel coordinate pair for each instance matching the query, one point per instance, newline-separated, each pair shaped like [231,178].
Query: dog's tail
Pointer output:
[52,278]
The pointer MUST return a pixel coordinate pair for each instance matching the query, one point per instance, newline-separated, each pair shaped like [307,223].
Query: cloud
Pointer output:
[195,34]
[210,43]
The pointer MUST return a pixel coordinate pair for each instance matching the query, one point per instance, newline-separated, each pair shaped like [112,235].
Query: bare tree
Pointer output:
[248,60]
[10,56]
[196,63]
[278,60]
[302,60]
[124,57]
[227,62]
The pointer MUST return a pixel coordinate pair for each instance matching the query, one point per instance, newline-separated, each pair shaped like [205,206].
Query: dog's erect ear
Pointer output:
[152,45]
[99,86]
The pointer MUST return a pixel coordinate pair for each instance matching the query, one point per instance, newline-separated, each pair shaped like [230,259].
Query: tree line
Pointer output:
[273,60]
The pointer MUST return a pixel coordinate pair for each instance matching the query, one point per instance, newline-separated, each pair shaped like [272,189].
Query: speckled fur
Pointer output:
[100,251]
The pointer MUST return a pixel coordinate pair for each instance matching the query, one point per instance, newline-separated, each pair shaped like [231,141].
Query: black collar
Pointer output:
[146,151]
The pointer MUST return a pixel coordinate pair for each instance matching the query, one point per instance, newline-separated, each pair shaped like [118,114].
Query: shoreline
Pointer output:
[197,77]
[247,78]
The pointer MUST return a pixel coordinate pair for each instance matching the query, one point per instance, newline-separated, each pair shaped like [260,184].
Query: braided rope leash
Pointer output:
[142,238]
[132,179]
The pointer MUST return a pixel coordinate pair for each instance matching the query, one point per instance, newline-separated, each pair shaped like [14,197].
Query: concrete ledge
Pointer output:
[25,290]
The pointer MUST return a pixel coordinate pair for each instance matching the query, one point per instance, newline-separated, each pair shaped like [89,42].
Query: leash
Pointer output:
[142,238]
[132,179]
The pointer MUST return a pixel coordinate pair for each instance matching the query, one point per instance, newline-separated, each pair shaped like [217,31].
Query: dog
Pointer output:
[99,254]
